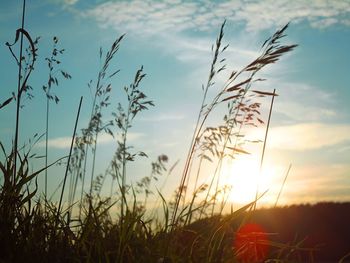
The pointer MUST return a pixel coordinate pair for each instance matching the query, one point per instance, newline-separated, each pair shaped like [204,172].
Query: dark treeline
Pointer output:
[323,225]
[294,231]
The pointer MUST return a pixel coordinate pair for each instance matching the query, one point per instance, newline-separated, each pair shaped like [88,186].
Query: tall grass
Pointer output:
[117,227]
[234,92]
[52,63]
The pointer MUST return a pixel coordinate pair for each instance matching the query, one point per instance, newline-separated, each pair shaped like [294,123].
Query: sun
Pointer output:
[244,176]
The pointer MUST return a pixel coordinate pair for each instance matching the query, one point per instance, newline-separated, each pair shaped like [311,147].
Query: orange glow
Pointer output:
[250,244]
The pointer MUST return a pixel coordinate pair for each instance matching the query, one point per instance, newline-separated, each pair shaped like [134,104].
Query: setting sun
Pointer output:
[243,175]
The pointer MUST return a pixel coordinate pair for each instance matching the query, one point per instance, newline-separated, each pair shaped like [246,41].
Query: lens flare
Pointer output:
[251,244]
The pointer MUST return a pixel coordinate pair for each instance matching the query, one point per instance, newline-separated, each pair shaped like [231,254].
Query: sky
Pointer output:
[310,123]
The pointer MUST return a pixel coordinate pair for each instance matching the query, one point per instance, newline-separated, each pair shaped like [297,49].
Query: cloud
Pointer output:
[65,142]
[70,2]
[148,17]
[321,182]
[300,102]
[64,3]
[165,24]
[60,143]
[305,136]
[198,49]
[164,117]
[145,17]
[259,15]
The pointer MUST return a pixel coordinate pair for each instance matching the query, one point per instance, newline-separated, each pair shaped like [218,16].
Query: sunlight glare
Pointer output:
[243,175]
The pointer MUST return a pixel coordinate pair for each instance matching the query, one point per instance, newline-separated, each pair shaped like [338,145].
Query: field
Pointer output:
[108,217]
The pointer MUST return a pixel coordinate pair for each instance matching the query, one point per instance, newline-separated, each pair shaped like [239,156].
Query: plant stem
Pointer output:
[223,150]
[263,151]
[70,153]
[19,93]
[125,131]
[219,164]
[284,181]
[86,154]
[199,125]
[46,142]
[83,180]
[198,173]
[93,163]
[96,132]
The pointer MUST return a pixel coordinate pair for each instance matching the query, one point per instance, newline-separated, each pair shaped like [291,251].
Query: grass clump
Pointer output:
[95,227]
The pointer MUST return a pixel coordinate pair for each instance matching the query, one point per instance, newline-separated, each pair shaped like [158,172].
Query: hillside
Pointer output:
[323,225]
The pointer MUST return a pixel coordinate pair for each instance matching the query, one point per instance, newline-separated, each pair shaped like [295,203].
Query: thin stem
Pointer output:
[125,131]
[46,143]
[186,185]
[96,132]
[284,181]
[218,166]
[86,152]
[70,153]
[74,187]
[224,147]
[19,93]
[93,163]
[186,170]
[218,172]
[189,217]
[263,151]
[83,180]
[198,126]
[198,173]
[157,202]
[112,184]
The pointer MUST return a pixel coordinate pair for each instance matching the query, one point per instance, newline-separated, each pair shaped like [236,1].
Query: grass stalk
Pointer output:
[19,93]
[284,181]
[69,156]
[123,187]
[198,173]
[199,124]
[46,142]
[93,162]
[220,161]
[219,165]
[264,146]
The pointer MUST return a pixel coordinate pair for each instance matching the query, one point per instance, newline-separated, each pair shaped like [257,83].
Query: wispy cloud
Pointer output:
[145,17]
[64,3]
[305,136]
[163,117]
[310,183]
[166,23]
[58,143]
[299,102]
[265,14]
[65,142]
[70,2]
[148,17]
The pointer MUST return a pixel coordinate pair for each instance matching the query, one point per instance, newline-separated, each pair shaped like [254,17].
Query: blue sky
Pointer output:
[172,39]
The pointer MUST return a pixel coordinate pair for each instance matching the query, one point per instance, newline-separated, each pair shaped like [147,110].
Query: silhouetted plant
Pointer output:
[144,185]
[101,100]
[123,117]
[271,52]
[22,80]
[52,62]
